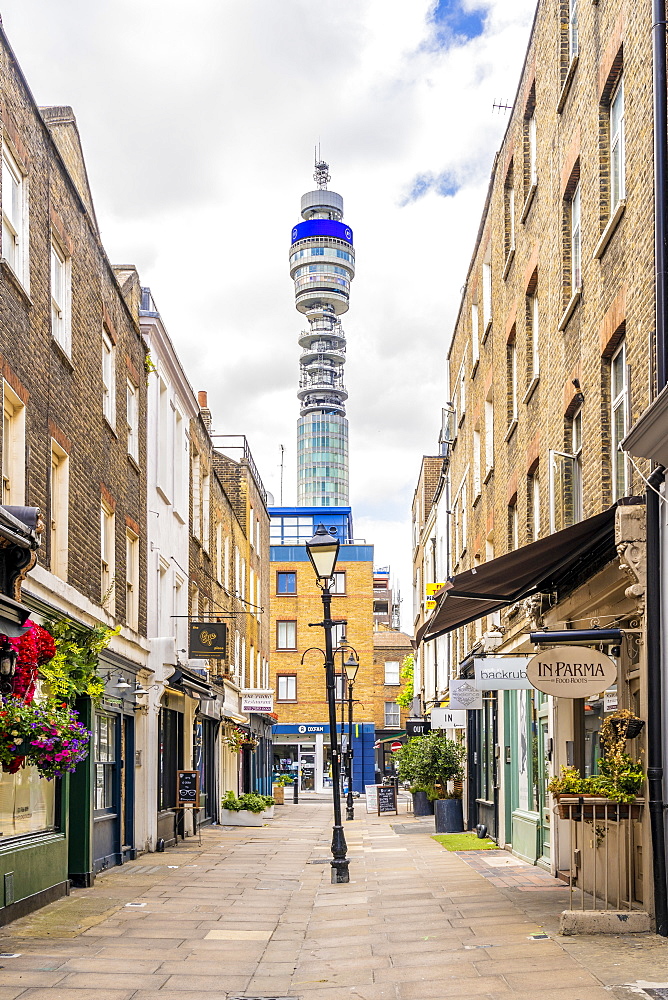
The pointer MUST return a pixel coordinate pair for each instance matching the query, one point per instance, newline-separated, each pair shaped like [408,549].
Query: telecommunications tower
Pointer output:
[322,265]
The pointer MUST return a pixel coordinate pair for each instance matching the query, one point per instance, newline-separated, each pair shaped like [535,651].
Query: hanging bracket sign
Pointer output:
[501,673]
[464,695]
[572,671]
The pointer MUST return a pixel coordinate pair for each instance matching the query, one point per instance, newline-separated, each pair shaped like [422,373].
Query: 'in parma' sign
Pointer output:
[207,641]
[572,671]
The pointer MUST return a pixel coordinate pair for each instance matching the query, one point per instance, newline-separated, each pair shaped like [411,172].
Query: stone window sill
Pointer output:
[488,327]
[63,353]
[570,309]
[509,261]
[512,427]
[11,275]
[528,201]
[488,474]
[606,235]
[566,86]
[530,388]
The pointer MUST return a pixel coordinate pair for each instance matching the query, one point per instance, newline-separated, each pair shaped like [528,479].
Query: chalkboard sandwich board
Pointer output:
[387,799]
[187,788]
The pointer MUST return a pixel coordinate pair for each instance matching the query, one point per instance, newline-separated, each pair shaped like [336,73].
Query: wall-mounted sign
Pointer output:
[187,788]
[610,702]
[464,695]
[207,641]
[256,701]
[501,673]
[431,589]
[446,718]
[417,727]
[572,671]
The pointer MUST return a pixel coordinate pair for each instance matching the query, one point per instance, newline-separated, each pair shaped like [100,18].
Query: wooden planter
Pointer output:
[579,807]
[278,794]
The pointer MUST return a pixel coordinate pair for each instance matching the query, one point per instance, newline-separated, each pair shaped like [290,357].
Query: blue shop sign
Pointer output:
[322,227]
[303,729]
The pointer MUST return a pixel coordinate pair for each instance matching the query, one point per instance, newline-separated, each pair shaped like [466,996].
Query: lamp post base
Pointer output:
[350,806]
[339,860]
[340,871]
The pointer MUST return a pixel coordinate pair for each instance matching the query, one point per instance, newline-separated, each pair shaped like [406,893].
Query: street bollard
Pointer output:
[295,792]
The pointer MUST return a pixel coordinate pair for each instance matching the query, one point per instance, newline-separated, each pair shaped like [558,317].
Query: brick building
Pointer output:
[390,649]
[74,446]
[548,364]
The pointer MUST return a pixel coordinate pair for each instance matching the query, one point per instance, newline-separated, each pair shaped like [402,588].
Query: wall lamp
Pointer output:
[571,636]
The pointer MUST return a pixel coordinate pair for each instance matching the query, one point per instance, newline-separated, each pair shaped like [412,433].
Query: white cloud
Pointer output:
[199,124]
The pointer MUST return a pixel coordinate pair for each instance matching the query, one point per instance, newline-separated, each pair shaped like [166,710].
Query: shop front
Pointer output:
[304,752]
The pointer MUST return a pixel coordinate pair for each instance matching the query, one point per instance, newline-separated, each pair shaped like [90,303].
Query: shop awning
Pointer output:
[190,683]
[544,565]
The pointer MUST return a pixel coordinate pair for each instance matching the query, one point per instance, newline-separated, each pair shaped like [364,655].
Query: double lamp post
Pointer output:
[323,551]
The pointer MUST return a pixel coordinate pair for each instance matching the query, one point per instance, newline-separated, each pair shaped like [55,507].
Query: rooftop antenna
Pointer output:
[282,454]
[321,175]
[501,106]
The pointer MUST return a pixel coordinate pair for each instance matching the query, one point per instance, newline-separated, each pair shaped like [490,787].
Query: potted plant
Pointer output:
[250,809]
[423,799]
[278,788]
[620,777]
[431,761]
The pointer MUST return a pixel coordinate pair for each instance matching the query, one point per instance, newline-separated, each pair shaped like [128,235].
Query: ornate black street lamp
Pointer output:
[351,666]
[323,551]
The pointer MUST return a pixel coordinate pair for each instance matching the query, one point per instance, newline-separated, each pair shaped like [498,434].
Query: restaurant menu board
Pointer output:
[371,798]
[187,788]
[387,799]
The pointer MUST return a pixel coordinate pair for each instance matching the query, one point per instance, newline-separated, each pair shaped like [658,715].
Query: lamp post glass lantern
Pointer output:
[323,551]
[351,666]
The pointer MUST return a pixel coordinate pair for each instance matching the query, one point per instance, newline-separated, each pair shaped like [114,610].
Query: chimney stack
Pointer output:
[202,400]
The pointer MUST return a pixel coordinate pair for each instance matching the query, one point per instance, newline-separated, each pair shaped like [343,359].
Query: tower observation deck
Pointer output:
[322,265]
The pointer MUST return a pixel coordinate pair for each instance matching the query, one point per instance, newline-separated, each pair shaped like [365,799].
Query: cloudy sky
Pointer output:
[199,122]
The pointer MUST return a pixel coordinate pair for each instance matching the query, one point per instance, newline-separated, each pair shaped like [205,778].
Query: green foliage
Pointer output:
[464,842]
[73,669]
[620,777]
[250,801]
[405,696]
[430,791]
[431,760]
[284,779]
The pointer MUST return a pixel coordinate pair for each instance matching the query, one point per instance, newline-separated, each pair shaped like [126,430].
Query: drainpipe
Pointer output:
[654,577]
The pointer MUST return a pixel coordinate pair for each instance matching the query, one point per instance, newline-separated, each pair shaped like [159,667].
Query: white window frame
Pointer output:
[573,39]
[108,379]
[132,419]
[477,454]
[132,579]
[219,552]
[535,333]
[576,241]
[14,218]
[486,296]
[513,526]
[61,297]
[534,503]
[391,715]
[196,489]
[286,685]
[206,511]
[392,672]
[533,166]
[286,634]
[617,147]
[475,335]
[13,448]
[489,435]
[511,365]
[619,404]
[59,521]
[107,556]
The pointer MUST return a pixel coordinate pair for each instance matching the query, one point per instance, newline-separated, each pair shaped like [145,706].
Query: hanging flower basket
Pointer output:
[589,807]
[238,739]
[46,734]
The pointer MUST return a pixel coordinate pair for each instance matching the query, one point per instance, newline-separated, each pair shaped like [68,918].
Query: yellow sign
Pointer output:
[430,590]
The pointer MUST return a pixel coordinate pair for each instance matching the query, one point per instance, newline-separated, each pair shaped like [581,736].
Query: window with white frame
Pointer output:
[566,478]
[14,234]
[178,625]
[477,478]
[196,490]
[243,661]
[617,147]
[340,687]
[392,715]
[132,579]
[618,420]
[108,379]
[61,326]
[339,635]
[533,498]
[576,242]
[533,332]
[531,148]
[489,433]
[286,635]
[475,335]
[251,526]
[181,486]
[132,420]
[509,212]
[286,685]
[513,525]
[511,379]
[60,502]
[13,448]
[166,449]
[107,556]
[226,577]
[219,552]
[251,667]
[194,602]
[573,40]
[392,672]
[486,292]
[237,654]
[460,389]
[206,511]
[338,585]
[253,602]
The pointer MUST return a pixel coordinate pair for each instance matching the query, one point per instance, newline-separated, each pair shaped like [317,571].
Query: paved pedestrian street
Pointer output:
[252,913]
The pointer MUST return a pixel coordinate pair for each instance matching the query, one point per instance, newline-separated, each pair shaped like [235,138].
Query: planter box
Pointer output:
[269,813]
[278,793]
[449,816]
[229,817]
[578,807]
[421,804]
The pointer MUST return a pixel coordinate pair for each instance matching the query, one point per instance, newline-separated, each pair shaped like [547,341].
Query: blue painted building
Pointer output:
[302,748]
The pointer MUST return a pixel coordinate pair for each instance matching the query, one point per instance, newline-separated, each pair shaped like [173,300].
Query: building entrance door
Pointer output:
[545,829]
[307,767]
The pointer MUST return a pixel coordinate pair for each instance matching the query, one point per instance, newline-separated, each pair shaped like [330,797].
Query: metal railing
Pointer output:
[604,852]
[238,443]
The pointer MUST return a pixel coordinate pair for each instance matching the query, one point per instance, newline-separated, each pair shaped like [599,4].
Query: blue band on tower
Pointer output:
[322,227]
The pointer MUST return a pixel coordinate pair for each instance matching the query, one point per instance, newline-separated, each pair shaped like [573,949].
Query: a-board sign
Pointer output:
[371,792]
[387,799]
[187,788]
